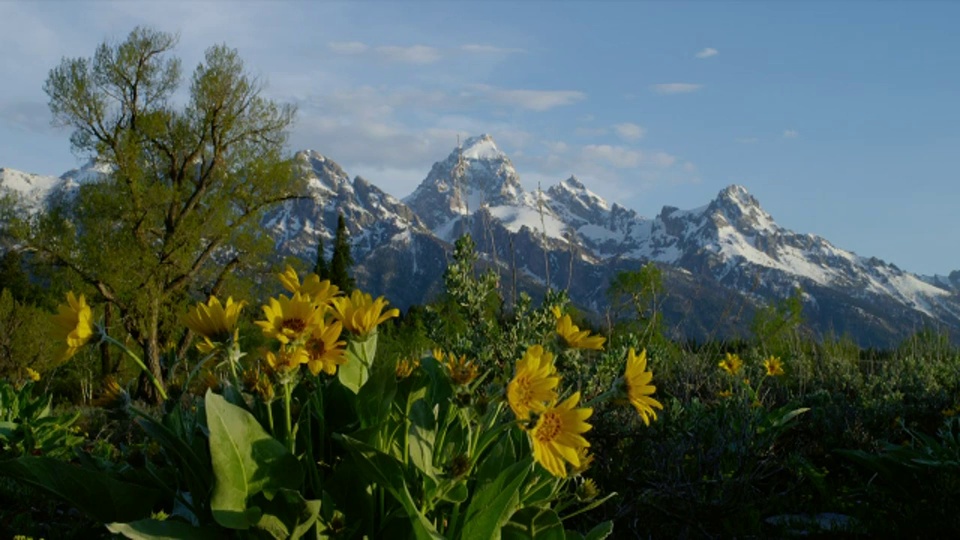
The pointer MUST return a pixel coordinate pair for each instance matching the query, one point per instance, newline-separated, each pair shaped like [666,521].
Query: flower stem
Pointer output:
[138,361]
[291,442]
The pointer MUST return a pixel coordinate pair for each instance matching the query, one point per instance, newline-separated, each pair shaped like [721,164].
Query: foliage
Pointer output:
[341,261]
[178,209]
[28,426]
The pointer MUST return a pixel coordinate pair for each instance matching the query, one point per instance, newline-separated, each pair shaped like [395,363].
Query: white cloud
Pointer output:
[414,54]
[790,134]
[488,49]
[707,53]
[347,47]
[535,100]
[676,88]
[629,131]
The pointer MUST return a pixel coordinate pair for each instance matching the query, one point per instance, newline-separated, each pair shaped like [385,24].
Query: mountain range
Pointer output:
[720,262]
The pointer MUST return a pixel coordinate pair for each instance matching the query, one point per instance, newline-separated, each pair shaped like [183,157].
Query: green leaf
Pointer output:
[495,502]
[152,529]
[375,398]
[195,470]
[534,524]
[288,515]
[246,461]
[600,532]
[360,355]
[100,496]
[388,473]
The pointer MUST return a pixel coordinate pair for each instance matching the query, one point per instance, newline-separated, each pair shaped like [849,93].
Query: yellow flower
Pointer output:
[32,374]
[533,384]
[112,396]
[462,372]
[437,353]
[731,363]
[586,459]
[325,350]
[724,394]
[573,336]
[639,389]
[289,319]
[588,490]
[73,325]
[257,382]
[286,360]
[213,321]
[406,366]
[773,366]
[321,292]
[360,313]
[557,438]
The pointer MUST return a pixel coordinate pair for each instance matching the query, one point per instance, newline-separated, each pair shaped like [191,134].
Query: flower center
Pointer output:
[316,347]
[296,325]
[549,427]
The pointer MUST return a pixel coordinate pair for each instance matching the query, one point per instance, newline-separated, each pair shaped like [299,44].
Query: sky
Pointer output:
[841,118]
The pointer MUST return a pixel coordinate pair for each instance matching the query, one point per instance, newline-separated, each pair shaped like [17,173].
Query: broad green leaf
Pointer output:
[600,532]
[534,524]
[288,515]
[388,473]
[375,397]
[95,493]
[152,529]
[494,503]
[246,461]
[360,355]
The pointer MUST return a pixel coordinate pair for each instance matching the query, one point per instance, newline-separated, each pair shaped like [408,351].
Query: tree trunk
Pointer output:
[147,391]
[107,366]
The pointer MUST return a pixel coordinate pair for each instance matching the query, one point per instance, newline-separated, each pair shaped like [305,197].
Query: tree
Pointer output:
[641,290]
[341,261]
[180,206]
[321,268]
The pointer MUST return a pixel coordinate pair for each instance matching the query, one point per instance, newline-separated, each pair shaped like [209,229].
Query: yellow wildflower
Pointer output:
[289,319]
[213,321]
[731,363]
[360,313]
[573,336]
[257,382]
[32,374]
[286,360]
[406,366]
[557,437]
[637,380]
[437,354]
[533,384]
[320,292]
[773,366]
[325,348]
[724,394]
[73,325]
[462,372]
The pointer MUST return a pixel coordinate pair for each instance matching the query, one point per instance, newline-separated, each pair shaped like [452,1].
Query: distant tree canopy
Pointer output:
[185,185]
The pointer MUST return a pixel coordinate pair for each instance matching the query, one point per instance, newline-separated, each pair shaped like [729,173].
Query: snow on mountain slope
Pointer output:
[30,190]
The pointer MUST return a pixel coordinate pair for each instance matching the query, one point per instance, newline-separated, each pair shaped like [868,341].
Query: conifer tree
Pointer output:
[320,268]
[341,261]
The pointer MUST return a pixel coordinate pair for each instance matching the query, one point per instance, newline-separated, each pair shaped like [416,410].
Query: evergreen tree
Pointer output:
[320,268]
[181,205]
[341,261]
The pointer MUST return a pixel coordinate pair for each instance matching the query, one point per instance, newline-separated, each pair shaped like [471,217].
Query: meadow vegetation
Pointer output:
[181,385]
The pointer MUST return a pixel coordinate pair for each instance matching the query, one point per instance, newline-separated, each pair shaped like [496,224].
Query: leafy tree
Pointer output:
[179,207]
[642,291]
[341,260]
[777,326]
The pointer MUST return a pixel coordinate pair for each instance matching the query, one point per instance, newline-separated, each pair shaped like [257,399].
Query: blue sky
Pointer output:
[842,118]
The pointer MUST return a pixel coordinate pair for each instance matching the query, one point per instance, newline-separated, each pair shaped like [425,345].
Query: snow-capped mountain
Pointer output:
[720,261]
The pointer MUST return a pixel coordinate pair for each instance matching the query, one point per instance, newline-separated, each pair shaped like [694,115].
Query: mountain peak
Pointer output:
[481,147]
[573,183]
[737,195]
